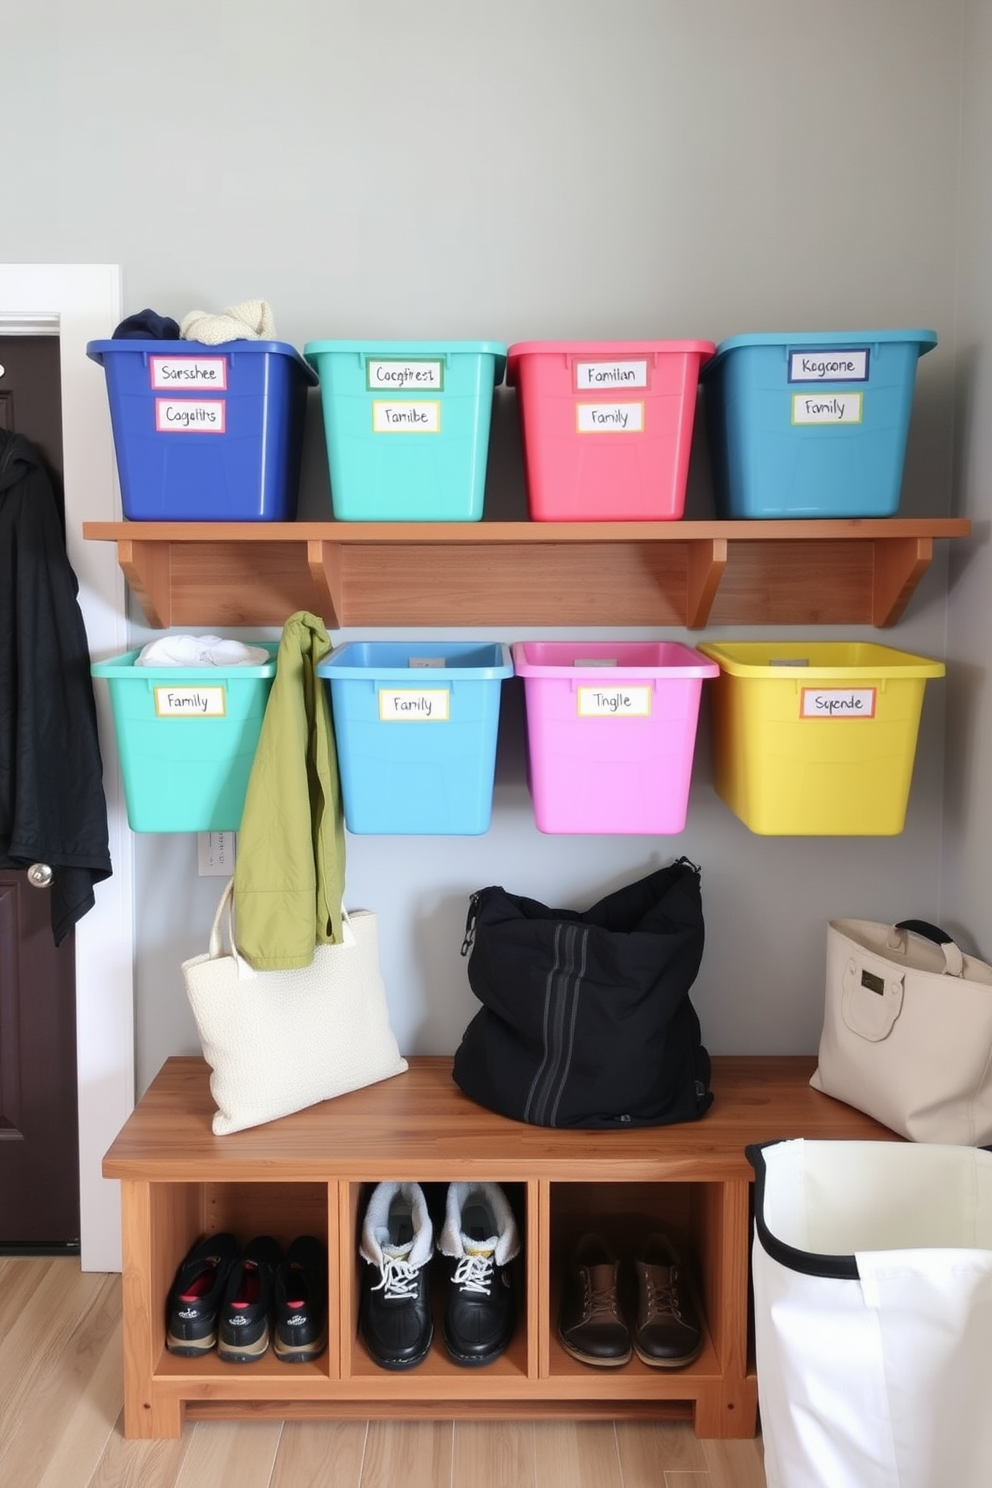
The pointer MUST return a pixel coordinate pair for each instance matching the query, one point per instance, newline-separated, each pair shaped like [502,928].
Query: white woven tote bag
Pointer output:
[278,1041]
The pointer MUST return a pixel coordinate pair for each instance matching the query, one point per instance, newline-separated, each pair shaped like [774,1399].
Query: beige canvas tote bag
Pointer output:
[907,1030]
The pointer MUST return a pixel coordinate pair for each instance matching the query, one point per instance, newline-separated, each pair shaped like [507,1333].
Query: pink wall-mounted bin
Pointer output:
[611,732]
[607,426]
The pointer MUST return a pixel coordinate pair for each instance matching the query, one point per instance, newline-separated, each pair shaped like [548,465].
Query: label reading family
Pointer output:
[404,705]
[609,418]
[190,702]
[826,408]
[189,416]
[405,418]
[838,702]
[391,374]
[169,373]
[601,376]
[613,702]
[834,365]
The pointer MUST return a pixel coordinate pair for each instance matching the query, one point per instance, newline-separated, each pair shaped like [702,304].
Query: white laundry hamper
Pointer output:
[872,1268]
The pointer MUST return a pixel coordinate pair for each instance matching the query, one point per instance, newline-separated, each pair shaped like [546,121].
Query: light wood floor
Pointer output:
[61,1403]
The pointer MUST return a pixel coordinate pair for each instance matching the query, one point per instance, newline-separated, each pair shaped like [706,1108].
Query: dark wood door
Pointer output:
[39,1141]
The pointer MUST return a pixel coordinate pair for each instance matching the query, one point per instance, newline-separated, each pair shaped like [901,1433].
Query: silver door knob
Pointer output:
[40,874]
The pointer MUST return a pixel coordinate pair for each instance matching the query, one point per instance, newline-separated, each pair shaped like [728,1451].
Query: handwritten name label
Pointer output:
[190,702]
[405,418]
[609,418]
[171,372]
[602,375]
[390,374]
[835,365]
[613,702]
[189,416]
[837,702]
[826,408]
[404,705]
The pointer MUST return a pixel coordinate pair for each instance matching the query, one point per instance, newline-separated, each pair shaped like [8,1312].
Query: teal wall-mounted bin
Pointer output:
[406,425]
[812,424]
[187,738]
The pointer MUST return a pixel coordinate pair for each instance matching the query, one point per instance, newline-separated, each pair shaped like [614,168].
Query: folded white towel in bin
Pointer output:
[199,651]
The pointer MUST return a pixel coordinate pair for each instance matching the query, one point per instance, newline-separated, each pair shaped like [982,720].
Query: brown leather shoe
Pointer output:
[590,1326]
[668,1332]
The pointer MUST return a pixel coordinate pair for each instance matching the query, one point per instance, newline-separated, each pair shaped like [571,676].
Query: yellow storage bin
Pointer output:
[816,738]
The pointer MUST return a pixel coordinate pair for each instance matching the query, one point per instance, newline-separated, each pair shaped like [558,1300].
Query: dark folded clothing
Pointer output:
[147,326]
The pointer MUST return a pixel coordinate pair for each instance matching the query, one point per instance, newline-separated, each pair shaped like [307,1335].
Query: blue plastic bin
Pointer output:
[415,725]
[406,425]
[206,433]
[812,424]
[187,738]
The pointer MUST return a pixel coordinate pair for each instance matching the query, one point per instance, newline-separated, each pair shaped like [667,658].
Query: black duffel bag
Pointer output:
[586,1019]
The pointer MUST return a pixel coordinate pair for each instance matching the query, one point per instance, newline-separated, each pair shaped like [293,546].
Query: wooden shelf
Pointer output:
[472,574]
[313,1172]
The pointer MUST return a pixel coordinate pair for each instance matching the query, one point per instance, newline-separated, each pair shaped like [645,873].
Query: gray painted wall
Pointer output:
[558,169]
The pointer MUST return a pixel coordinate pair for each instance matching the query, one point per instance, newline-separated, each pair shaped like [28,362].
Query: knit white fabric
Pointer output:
[504,1242]
[377,1243]
[250,321]
[200,651]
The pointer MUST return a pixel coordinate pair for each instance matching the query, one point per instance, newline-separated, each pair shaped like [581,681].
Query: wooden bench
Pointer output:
[312,1173]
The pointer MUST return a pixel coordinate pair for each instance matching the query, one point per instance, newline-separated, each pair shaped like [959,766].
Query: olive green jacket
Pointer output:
[290,859]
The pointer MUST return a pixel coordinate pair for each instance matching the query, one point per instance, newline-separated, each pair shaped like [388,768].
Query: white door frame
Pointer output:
[82,302]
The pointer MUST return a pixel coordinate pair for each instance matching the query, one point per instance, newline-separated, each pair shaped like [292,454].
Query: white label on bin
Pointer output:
[848,364]
[389,374]
[600,376]
[170,373]
[609,418]
[405,418]
[838,702]
[190,702]
[826,408]
[426,661]
[404,705]
[190,416]
[612,702]
[597,661]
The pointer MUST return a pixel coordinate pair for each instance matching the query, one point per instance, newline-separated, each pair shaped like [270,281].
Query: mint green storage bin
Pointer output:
[187,738]
[406,425]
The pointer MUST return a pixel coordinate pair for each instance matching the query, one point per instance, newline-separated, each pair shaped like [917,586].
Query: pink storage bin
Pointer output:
[607,426]
[611,732]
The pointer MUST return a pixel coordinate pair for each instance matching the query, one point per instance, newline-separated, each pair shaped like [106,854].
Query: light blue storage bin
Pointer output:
[812,424]
[415,725]
[406,424]
[187,738]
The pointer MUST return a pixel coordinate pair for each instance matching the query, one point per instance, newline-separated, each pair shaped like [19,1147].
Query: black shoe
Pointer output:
[397,1241]
[299,1331]
[243,1320]
[668,1332]
[195,1294]
[590,1325]
[480,1240]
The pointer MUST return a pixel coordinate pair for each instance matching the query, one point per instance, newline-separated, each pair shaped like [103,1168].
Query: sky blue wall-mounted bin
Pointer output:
[406,425]
[415,725]
[206,433]
[187,738]
[812,424]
